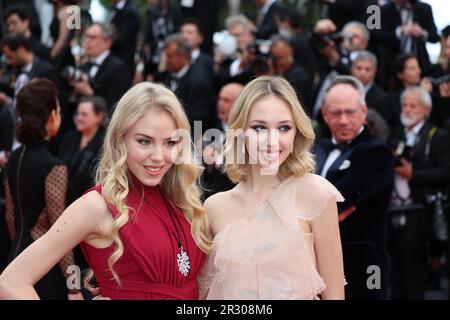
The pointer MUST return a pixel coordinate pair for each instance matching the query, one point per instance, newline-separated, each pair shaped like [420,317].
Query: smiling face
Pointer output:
[151,149]
[270,133]
[86,120]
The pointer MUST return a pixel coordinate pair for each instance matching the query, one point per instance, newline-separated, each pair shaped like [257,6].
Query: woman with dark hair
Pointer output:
[407,73]
[36,182]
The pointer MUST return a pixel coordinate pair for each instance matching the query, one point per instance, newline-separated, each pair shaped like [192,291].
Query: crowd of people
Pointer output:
[369,104]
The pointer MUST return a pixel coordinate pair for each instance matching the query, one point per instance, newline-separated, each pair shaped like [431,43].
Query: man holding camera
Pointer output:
[422,170]
[105,75]
[335,51]
[282,56]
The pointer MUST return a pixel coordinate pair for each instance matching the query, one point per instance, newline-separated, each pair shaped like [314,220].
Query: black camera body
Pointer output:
[260,51]
[439,80]
[321,40]
[71,73]
[402,151]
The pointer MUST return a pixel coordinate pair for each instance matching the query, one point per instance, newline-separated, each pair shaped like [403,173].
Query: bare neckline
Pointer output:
[255,210]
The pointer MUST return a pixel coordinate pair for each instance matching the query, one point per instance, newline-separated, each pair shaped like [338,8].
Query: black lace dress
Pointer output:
[35,192]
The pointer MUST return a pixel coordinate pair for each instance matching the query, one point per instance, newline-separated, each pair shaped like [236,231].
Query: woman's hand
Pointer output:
[95,291]
[75,296]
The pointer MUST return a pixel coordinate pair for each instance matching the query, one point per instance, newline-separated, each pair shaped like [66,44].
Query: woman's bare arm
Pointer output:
[328,248]
[81,221]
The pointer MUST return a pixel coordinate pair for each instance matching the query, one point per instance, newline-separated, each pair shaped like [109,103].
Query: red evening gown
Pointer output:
[148,268]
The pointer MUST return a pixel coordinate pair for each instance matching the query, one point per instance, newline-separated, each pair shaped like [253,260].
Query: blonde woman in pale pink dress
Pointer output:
[276,234]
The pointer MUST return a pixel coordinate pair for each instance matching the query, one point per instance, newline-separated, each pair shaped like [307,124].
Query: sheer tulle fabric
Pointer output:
[266,254]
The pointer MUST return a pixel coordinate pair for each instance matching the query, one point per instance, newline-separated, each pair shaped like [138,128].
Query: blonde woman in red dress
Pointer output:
[142,228]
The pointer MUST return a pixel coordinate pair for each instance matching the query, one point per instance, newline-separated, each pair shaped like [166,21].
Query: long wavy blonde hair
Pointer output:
[301,160]
[180,182]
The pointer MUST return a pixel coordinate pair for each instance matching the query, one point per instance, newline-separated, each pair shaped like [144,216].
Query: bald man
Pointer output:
[227,95]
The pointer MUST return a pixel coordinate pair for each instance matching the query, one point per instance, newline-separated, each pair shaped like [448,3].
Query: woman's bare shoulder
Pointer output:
[92,205]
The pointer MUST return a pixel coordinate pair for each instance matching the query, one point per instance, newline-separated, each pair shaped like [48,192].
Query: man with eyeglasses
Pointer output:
[361,167]
[105,75]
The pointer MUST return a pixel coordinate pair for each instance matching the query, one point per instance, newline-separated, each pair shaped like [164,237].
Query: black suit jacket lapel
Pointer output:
[34,68]
[419,148]
[334,169]
[321,156]
[102,68]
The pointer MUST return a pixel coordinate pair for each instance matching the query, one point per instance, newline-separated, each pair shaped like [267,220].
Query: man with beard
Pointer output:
[422,169]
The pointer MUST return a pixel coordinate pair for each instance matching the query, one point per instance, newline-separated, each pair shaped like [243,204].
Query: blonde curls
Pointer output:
[301,160]
[180,182]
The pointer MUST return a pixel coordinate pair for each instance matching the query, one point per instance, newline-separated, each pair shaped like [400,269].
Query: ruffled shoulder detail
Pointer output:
[303,198]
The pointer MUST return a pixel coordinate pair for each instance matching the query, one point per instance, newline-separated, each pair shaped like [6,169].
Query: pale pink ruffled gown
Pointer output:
[265,254]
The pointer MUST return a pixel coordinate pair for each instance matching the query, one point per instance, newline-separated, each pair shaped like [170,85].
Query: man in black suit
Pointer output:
[206,11]
[342,11]
[16,49]
[35,26]
[125,19]
[17,20]
[213,177]
[190,83]
[106,75]
[422,169]
[406,26]
[266,24]
[364,68]
[361,167]
[162,19]
[282,55]
[292,28]
[190,29]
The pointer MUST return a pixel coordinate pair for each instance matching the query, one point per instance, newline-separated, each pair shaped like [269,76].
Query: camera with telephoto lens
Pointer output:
[261,57]
[71,73]
[439,80]
[437,201]
[322,40]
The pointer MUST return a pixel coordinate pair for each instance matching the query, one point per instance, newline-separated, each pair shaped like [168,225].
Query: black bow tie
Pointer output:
[91,64]
[329,146]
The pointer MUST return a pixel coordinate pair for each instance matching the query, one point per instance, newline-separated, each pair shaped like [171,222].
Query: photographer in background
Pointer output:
[422,170]
[437,83]
[282,55]
[17,19]
[231,69]
[291,27]
[24,65]
[191,30]
[105,75]
[335,50]
[266,18]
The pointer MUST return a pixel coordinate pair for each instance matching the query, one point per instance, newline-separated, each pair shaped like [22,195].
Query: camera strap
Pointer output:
[430,137]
